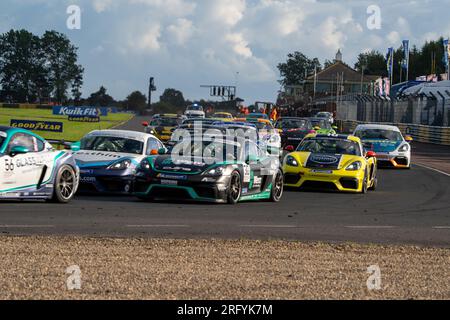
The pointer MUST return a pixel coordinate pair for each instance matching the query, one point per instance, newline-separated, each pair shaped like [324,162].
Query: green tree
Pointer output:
[61,65]
[297,67]
[22,71]
[101,98]
[373,62]
[173,97]
[136,101]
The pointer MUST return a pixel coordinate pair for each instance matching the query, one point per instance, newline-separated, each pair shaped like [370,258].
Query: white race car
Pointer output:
[108,158]
[391,148]
[195,111]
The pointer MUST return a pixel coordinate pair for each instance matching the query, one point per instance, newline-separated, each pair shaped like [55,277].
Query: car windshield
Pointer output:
[323,124]
[257,116]
[379,134]
[195,108]
[207,149]
[165,122]
[323,115]
[112,144]
[330,146]
[292,124]
[262,125]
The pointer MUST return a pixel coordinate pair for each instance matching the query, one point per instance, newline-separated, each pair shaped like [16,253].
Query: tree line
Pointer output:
[425,60]
[35,69]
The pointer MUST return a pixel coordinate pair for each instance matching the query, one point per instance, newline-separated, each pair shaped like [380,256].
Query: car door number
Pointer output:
[9,165]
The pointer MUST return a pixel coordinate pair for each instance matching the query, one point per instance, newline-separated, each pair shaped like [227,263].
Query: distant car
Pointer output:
[326,115]
[331,163]
[194,111]
[162,126]
[293,130]
[322,126]
[391,147]
[238,176]
[30,168]
[268,137]
[257,115]
[223,116]
[107,159]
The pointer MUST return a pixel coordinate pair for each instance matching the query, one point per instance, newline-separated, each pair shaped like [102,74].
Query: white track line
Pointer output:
[7,226]
[159,226]
[269,226]
[441,227]
[432,169]
[370,227]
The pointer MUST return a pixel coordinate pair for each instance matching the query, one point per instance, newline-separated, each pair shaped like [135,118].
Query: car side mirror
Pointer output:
[75,147]
[162,151]
[145,124]
[409,139]
[371,154]
[18,150]
[335,128]
[316,128]
[289,148]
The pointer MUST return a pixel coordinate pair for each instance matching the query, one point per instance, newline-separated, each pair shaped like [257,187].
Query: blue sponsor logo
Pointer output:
[37,125]
[80,111]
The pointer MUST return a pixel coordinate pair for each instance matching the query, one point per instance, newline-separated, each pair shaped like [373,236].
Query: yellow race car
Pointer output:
[331,163]
[223,116]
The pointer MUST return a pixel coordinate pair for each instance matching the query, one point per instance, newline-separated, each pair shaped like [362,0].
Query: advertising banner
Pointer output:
[37,125]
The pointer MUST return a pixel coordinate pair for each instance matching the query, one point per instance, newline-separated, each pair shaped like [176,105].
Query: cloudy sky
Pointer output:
[187,43]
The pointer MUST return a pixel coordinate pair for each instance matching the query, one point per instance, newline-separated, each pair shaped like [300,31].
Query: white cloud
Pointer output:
[181,31]
[102,5]
[239,45]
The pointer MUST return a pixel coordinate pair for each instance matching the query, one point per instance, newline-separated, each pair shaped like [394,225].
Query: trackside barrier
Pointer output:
[420,133]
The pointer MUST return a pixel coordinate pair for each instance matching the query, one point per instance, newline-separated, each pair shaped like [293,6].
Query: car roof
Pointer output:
[335,136]
[5,129]
[134,135]
[377,126]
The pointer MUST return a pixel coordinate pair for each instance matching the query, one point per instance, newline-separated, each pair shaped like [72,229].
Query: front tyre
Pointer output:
[277,187]
[65,184]
[235,188]
[365,186]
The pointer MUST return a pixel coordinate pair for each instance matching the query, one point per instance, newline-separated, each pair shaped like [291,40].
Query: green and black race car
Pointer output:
[225,173]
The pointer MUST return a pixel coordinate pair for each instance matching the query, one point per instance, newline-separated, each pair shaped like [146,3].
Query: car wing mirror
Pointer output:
[18,150]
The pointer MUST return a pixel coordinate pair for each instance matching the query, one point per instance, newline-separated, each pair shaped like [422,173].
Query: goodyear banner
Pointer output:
[83,119]
[80,111]
[37,125]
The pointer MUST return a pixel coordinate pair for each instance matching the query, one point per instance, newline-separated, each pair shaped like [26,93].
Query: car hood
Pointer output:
[324,161]
[85,158]
[167,164]
[382,145]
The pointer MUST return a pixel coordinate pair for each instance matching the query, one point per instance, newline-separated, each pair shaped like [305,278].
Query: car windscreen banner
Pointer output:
[84,118]
[80,111]
[37,125]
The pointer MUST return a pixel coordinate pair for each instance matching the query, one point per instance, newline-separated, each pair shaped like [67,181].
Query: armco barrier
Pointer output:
[420,133]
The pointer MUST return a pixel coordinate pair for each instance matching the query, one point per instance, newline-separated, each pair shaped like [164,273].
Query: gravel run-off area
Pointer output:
[36,268]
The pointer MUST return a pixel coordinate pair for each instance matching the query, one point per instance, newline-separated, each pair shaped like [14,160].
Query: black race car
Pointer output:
[293,130]
[227,172]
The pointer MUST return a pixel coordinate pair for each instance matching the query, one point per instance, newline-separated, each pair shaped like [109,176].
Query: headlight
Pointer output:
[145,165]
[218,171]
[121,165]
[355,166]
[290,161]
[404,148]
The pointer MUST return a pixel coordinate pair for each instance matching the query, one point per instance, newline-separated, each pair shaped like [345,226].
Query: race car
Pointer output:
[268,137]
[194,111]
[293,130]
[323,126]
[331,163]
[30,168]
[227,172]
[222,116]
[107,159]
[392,149]
[162,126]
[257,115]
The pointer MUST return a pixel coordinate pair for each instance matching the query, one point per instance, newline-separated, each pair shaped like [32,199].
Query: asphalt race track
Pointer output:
[409,207]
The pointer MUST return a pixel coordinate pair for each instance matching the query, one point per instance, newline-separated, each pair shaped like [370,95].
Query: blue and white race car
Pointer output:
[108,158]
[30,168]
[391,148]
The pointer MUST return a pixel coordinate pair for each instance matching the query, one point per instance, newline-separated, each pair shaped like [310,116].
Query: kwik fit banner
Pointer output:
[80,111]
